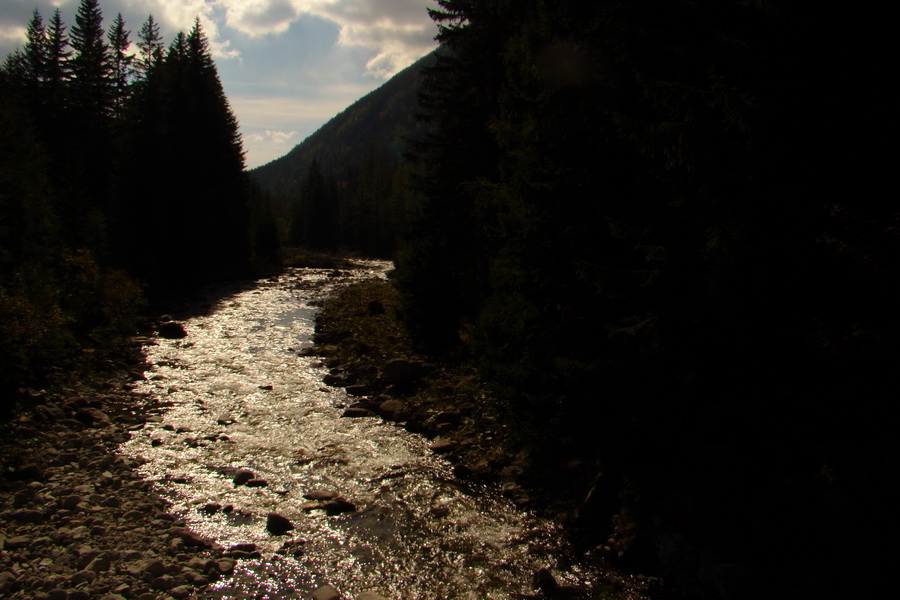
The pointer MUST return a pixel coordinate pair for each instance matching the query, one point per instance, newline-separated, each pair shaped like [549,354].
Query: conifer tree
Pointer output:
[121,70]
[183,130]
[35,51]
[442,268]
[58,57]
[150,48]
[91,66]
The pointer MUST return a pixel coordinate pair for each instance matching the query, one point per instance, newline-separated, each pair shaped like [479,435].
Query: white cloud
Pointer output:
[274,137]
[260,17]
[11,35]
[298,62]
[396,32]
[179,15]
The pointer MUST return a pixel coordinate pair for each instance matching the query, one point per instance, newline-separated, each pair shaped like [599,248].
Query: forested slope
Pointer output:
[382,121]
[651,225]
[120,175]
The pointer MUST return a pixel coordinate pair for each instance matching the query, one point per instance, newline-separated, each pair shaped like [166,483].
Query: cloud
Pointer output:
[260,17]
[395,32]
[179,15]
[11,36]
[398,31]
[287,65]
[274,137]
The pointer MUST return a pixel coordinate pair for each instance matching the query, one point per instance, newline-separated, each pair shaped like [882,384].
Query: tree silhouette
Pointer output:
[121,69]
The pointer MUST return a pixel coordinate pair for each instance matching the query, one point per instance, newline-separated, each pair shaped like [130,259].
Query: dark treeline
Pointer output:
[119,174]
[647,221]
[362,211]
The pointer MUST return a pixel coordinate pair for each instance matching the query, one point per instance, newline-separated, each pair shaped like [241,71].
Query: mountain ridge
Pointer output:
[384,119]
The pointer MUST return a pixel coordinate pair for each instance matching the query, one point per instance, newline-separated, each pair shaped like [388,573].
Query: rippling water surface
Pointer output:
[237,395]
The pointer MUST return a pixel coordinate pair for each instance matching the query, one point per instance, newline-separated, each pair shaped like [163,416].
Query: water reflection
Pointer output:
[239,395]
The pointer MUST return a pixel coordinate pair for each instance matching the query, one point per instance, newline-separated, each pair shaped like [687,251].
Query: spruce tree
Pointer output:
[58,57]
[92,88]
[181,128]
[121,70]
[35,51]
[150,48]
[442,266]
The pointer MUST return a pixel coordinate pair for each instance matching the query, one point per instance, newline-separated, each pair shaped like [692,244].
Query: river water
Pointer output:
[236,393]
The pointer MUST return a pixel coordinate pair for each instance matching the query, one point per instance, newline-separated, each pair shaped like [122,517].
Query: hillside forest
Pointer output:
[121,176]
[657,227]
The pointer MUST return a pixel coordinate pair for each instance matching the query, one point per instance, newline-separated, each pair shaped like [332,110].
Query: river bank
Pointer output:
[85,466]
[76,519]
[363,343]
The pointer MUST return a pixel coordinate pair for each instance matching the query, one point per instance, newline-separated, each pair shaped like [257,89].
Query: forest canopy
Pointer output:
[652,224]
[120,173]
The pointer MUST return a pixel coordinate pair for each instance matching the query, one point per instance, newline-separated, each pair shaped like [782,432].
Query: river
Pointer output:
[237,394]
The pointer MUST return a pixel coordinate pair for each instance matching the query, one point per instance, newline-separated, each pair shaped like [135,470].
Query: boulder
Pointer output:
[93,417]
[338,506]
[326,592]
[26,515]
[442,446]
[189,537]
[277,524]
[211,508]
[321,495]
[359,389]
[403,372]
[392,409]
[7,581]
[334,380]
[172,330]
[242,476]
[357,412]
[225,565]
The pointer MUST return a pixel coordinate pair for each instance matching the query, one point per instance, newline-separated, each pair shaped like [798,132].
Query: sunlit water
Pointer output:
[238,395]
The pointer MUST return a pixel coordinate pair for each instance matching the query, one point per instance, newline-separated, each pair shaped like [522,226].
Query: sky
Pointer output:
[287,66]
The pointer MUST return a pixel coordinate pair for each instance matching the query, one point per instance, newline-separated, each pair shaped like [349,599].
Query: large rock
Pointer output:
[355,412]
[393,410]
[326,592]
[338,506]
[242,476]
[443,446]
[278,525]
[404,372]
[172,330]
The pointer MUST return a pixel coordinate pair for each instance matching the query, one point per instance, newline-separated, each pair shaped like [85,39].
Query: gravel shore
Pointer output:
[76,520]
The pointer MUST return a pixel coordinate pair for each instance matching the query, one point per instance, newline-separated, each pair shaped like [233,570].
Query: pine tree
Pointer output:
[121,64]
[442,266]
[58,57]
[35,51]
[150,48]
[92,90]
[181,128]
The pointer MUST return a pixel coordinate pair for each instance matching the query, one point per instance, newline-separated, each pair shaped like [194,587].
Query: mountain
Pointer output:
[381,121]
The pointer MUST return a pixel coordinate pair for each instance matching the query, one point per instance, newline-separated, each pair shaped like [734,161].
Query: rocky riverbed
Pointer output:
[122,484]
[76,520]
